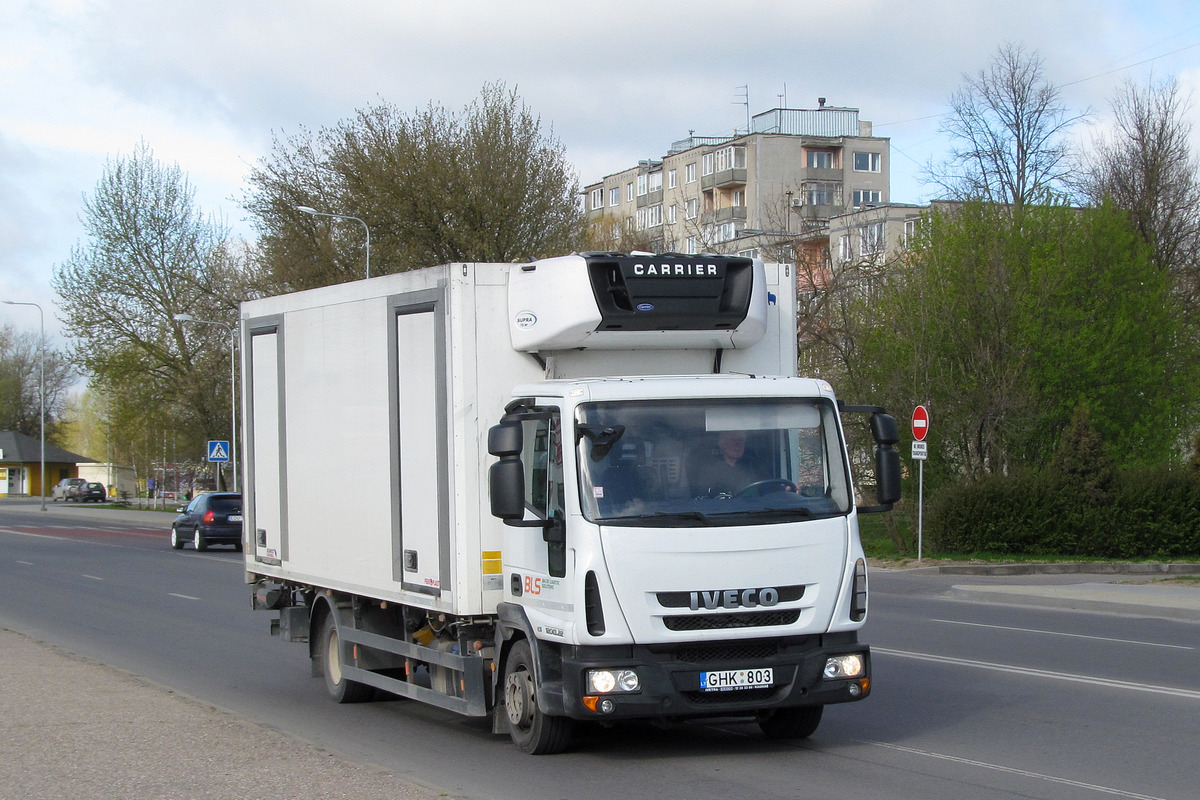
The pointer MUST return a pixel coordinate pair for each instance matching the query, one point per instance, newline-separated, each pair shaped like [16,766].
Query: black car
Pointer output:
[211,518]
[89,493]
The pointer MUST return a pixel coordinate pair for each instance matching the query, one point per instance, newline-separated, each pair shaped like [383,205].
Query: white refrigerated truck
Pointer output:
[581,488]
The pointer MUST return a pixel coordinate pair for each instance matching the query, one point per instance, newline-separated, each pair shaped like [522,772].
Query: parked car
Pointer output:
[90,493]
[64,489]
[212,518]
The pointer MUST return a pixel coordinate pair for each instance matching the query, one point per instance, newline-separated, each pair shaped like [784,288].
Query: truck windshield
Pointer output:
[674,463]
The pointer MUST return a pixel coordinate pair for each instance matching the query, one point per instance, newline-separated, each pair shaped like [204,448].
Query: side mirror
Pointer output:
[506,486]
[887,475]
[504,439]
[883,429]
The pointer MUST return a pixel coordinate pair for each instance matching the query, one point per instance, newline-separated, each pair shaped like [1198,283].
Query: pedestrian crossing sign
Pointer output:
[218,450]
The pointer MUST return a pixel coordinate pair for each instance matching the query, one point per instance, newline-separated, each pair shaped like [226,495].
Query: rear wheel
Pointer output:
[531,729]
[176,539]
[791,723]
[198,541]
[340,688]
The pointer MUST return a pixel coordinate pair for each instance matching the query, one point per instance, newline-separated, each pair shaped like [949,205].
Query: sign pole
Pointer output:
[920,451]
[920,506]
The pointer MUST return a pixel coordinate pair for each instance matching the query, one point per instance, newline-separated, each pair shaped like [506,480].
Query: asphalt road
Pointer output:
[972,701]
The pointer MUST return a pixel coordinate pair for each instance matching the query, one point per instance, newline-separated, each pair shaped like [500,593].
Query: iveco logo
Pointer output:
[734,598]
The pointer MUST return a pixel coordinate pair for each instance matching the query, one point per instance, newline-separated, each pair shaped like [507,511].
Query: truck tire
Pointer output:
[791,723]
[340,688]
[533,731]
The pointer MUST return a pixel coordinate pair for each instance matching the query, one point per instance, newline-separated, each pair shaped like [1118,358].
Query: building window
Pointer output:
[871,239]
[723,159]
[614,196]
[821,194]
[737,199]
[693,244]
[672,214]
[866,162]
[689,173]
[820,159]
[672,179]
[845,249]
[692,208]
[724,232]
[655,181]
[641,185]
[865,197]
[629,191]
[597,198]
[649,217]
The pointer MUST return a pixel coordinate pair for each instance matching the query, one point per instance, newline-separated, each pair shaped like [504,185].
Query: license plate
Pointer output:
[235,517]
[733,679]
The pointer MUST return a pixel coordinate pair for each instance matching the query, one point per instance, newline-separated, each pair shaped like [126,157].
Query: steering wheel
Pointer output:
[783,485]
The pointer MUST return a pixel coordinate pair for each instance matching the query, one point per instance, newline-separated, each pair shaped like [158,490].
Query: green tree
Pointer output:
[150,254]
[1005,324]
[433,187]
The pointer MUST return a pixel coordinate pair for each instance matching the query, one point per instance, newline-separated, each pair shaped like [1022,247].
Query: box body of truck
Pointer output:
[494,487]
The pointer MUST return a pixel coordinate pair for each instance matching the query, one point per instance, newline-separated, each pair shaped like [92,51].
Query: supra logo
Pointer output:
[734,598]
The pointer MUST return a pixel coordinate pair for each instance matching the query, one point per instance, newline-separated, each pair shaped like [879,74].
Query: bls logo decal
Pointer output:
[533,585]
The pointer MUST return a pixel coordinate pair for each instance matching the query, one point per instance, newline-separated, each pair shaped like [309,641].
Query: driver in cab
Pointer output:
[728,472]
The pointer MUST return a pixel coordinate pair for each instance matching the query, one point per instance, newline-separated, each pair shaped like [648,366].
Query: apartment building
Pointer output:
[767,189]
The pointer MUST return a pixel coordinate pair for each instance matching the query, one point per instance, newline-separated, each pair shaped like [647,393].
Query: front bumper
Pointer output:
[670,678]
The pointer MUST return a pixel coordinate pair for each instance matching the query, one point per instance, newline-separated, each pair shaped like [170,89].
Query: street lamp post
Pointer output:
[41,383]
[314,212]
[232,385]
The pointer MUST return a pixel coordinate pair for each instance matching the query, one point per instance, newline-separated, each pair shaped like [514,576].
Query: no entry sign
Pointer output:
[920,423]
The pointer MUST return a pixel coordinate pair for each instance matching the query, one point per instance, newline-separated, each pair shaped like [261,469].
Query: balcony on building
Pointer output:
[735,176]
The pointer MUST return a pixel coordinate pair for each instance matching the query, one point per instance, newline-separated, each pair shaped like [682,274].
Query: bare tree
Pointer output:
[435,186]
[1146,167]
[21,370]
[1008,127]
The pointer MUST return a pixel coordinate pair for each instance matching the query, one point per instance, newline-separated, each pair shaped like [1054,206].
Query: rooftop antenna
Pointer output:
[745,101]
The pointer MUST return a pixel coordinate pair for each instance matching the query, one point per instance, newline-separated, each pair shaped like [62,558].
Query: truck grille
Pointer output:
[748,619]
[750,652]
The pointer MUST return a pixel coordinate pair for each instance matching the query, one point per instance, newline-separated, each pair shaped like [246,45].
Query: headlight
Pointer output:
[847,666]
[605,681]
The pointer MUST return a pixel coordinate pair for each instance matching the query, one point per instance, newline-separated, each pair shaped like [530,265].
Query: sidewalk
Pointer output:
[77,728]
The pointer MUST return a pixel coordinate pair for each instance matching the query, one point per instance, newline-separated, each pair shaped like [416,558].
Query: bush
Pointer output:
[1145,512]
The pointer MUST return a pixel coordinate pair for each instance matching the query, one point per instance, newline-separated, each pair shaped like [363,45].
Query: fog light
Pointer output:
[606,706]
[847,666]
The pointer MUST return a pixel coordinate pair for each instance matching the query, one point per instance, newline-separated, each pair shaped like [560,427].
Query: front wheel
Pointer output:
[340,688]
[176,539]
[791,723]
[531,729]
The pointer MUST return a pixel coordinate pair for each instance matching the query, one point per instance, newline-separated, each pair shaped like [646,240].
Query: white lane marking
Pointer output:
[1058,633]
[92,577]
[1190,694]
[182,596]
[1014,771]
[26,563]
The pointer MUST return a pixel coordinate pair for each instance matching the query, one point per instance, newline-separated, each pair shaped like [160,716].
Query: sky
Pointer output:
[209,85]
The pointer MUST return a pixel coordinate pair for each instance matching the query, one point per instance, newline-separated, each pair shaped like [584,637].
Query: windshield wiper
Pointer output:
[661,516]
